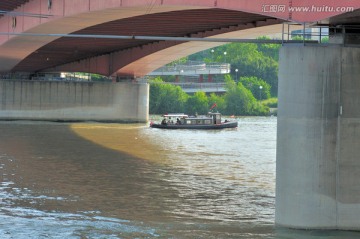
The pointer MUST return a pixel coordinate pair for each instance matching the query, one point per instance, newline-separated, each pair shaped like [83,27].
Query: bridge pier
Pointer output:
[74,101]
[318,153]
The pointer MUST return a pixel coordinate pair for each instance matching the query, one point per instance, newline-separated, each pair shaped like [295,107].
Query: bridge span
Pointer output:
[21,50]
[318,166]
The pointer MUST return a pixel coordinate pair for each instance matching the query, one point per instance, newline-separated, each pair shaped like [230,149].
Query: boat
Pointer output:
[183,121]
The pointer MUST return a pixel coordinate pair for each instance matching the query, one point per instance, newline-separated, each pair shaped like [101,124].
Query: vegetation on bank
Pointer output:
[251,60]
[250,85]
[271,103]
[167,98]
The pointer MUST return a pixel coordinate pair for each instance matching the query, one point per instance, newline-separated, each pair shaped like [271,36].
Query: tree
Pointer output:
[237,99]
[218,100]
[259,88]
[198,103]
[325,40]
[268,49]
[166,97]
[259,60]
[240,101]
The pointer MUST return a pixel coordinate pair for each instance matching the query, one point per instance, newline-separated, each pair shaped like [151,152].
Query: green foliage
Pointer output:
[252,60]
[237,100]
[297,37]
[270,50]
[180,61]
[240,101]
[325,40]
[301,38]
[169,78]
[257,66]
[166,97]
[271,103]
[92,77]
[205,56]
[254,84]
[96,77]
[219,101]
[197,103]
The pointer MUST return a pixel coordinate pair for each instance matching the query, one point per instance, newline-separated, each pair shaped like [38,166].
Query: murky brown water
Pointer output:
[93,180]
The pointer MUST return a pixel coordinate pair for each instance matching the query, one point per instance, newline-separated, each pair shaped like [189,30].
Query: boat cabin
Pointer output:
[216,117]
[182,119]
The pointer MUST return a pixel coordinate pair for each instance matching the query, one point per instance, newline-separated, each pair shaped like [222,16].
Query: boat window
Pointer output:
[199,122]
[207,121]
[188,122]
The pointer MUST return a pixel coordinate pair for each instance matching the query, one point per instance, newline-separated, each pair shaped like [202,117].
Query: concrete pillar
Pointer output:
[74,101]
[318,138]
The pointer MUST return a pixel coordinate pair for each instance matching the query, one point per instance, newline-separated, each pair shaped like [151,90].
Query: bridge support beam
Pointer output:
[318,153]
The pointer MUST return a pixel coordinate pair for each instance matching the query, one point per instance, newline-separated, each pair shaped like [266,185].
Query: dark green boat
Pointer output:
[183,121]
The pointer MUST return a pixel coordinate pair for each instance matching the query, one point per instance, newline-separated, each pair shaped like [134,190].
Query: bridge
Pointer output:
[318,115]
[192,87]
[193,76]
[199,68]
[134,38]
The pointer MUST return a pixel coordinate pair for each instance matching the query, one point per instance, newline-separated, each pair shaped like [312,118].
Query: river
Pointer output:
[92,180]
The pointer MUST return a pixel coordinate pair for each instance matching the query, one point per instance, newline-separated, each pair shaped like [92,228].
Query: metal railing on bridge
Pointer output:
[193,68]
[192,87]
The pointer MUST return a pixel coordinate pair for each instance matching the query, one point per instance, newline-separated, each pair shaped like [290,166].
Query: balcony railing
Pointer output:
[191,87]
[193,69]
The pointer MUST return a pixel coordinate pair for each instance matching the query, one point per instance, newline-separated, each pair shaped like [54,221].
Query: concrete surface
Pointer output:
[318,153]
[74,101]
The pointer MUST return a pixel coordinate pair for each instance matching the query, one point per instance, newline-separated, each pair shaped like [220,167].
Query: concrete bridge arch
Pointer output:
[32,53]
[195,18]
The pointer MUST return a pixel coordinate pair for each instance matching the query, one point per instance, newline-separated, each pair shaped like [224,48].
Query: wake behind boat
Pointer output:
[183,121]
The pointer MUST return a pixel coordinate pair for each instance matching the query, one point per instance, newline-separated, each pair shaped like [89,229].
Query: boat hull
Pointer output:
[232,124]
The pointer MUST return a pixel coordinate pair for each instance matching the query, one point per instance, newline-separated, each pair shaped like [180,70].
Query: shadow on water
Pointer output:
[52,160]
[89,180]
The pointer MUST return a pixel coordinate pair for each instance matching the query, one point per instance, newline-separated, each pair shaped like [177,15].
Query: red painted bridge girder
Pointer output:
[200,18]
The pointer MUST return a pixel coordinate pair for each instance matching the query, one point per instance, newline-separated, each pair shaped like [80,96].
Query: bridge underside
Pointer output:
[126,57]
[132,57]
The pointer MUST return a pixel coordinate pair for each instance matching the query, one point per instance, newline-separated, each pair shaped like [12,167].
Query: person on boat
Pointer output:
[178,121]
[163,122]
[170,121]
